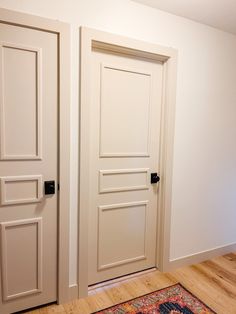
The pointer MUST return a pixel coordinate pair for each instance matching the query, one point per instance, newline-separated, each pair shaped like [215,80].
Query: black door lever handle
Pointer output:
[154,178]
[49,187]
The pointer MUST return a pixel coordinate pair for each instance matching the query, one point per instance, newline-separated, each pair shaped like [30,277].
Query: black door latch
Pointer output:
[49,187]
[154,178]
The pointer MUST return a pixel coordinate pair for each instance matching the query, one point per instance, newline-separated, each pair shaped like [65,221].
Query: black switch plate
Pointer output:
[49,187]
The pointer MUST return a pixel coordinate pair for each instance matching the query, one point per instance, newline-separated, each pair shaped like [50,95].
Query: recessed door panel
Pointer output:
[21,110]
[22,239]
[125,95]
[121,180]
[124,241]
[21,189]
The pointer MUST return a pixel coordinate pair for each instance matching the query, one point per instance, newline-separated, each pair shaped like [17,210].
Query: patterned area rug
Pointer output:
[172,300]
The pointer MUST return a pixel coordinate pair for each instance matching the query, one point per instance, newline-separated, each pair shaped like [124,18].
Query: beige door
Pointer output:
[124,150]
[28,158]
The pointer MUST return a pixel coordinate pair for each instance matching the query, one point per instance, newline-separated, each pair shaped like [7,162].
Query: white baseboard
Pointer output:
[73,292]
[177,263]
[199,257]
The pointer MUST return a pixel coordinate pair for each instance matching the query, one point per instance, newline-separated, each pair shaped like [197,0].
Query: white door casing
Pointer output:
[111,171]
[124,150]
[31,74]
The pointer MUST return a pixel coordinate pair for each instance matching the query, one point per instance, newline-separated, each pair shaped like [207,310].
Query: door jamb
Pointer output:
[62,30]
[94,39]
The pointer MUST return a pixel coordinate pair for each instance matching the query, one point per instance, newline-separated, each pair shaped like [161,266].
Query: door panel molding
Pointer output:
[106,187]
[8,181]
[62,30]
[123,206]
[109,95]
[94,40]
[14,102]
[8,246]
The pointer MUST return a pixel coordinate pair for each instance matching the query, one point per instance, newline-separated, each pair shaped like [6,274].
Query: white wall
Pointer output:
[204,189]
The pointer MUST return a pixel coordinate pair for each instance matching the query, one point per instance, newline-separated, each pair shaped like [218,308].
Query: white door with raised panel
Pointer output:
[125,118]
[28,158]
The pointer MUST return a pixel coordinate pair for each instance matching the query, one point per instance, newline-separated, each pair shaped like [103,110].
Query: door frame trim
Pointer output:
[94,39]
[63,32]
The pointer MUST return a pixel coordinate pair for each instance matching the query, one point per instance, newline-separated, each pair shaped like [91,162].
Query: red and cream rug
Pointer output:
[171,300]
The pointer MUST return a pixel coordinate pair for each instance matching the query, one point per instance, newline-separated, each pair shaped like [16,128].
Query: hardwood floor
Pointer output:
[213,282]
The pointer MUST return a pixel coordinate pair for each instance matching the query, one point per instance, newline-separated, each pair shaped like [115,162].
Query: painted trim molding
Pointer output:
[73,292]
[4,181]
[38,104]
[125,187]
[4,244]
[199,257]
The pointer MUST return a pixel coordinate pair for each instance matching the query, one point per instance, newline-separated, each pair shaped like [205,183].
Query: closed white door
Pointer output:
[125,116]
[28,158]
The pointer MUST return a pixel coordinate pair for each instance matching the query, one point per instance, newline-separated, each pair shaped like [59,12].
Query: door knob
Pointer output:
[154,178]
[49,187]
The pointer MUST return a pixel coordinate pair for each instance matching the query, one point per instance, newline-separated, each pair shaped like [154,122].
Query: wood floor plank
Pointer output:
[213,282]
[226,263]
[207,288]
